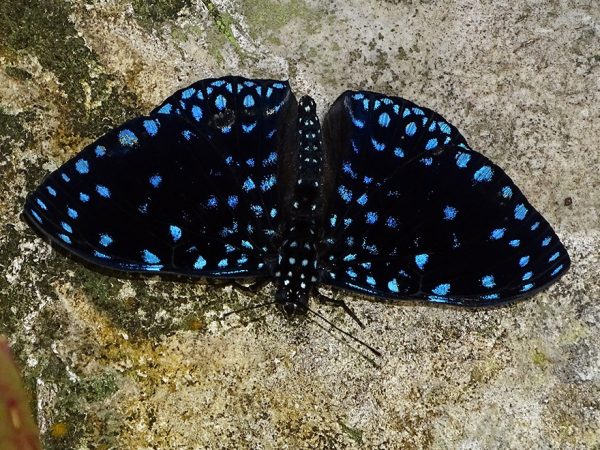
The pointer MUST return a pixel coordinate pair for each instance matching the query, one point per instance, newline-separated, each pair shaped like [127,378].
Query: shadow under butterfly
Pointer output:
[233,178]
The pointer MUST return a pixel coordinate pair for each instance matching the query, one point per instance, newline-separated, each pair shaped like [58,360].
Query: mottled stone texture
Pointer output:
[117,363]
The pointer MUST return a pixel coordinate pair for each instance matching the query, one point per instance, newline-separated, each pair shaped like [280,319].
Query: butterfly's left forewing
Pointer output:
[416,213]
[188,189]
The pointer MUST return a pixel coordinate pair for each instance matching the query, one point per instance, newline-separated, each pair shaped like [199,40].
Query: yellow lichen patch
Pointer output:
[59,430]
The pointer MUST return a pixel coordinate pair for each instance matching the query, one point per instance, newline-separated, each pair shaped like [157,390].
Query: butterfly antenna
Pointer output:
[249,308]
[345,333]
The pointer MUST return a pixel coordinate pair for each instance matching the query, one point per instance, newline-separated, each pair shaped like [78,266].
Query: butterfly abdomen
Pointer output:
[297,268]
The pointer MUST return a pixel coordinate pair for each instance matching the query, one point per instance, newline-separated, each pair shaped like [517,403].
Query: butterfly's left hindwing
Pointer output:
[415,213]
[189,189]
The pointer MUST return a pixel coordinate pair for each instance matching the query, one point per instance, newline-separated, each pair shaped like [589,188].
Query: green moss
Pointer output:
[17,73]
[267,17]
[154,13]
[223,22]
[354,433]
[539,358]
[44,30]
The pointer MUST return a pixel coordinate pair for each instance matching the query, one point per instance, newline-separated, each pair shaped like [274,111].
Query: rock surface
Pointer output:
[148,364]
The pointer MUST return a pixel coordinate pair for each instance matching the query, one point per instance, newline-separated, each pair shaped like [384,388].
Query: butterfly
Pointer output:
[235,178]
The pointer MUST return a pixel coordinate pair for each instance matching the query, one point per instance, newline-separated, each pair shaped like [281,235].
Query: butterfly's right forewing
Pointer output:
[190,189]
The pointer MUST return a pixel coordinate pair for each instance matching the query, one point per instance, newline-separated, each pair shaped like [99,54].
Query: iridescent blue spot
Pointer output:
[526,287]
[103,191]
[166,109]
[248,185]
[365,103]
[371,217]
[350,257]
[212,202]
[462,159]
[410,129]
[524,261]
[84,197]
[223,263]
[175,232]
[366,265]
[358,123]
[270,160]
[351,273]
[271,133]
[442,289]
[535,226]
[427,161]
[232,201]
[105,240]
[362,200]
[100,151]
[384,119]
[345,193]
[248,101]
[217,83]
[150,257]
[65,177]
[358,96]
[398,152]
[527,276]
[520,211]
[72,213]
[367,180]
[187,134]
[418,111]
[506,192]
[36,216]
[371,280]
[444,127]
[406,112]
[220,102]
[379,146]
[155,180]
[65,238]
[247,245]
[82,166]
[437,299]
[391,222]
[197,113]
[200,263]
[450,212]
[250,162]
[514,243]
[498,233]
[267,183]
[51,191]
[257,210]
[127,138]
[554,257]
[188,93]
[546,241]
[97,254]
[273,213]
[490,296]
[248,128]
[393,285]
[431,144]
[333,220]
[421,260]
[483,174]
[151,127]
[269,92]
[347,222]
[555,271]
[278,85]
[66,227]
[488,281]
[242,259]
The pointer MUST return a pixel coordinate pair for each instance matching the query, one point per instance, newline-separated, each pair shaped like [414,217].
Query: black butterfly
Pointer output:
[231,177]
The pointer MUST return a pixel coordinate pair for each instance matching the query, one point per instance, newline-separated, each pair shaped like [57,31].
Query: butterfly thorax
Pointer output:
[297,265]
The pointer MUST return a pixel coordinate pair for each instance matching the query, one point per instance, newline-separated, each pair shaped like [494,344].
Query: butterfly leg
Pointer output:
[339,303]
[253,288]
